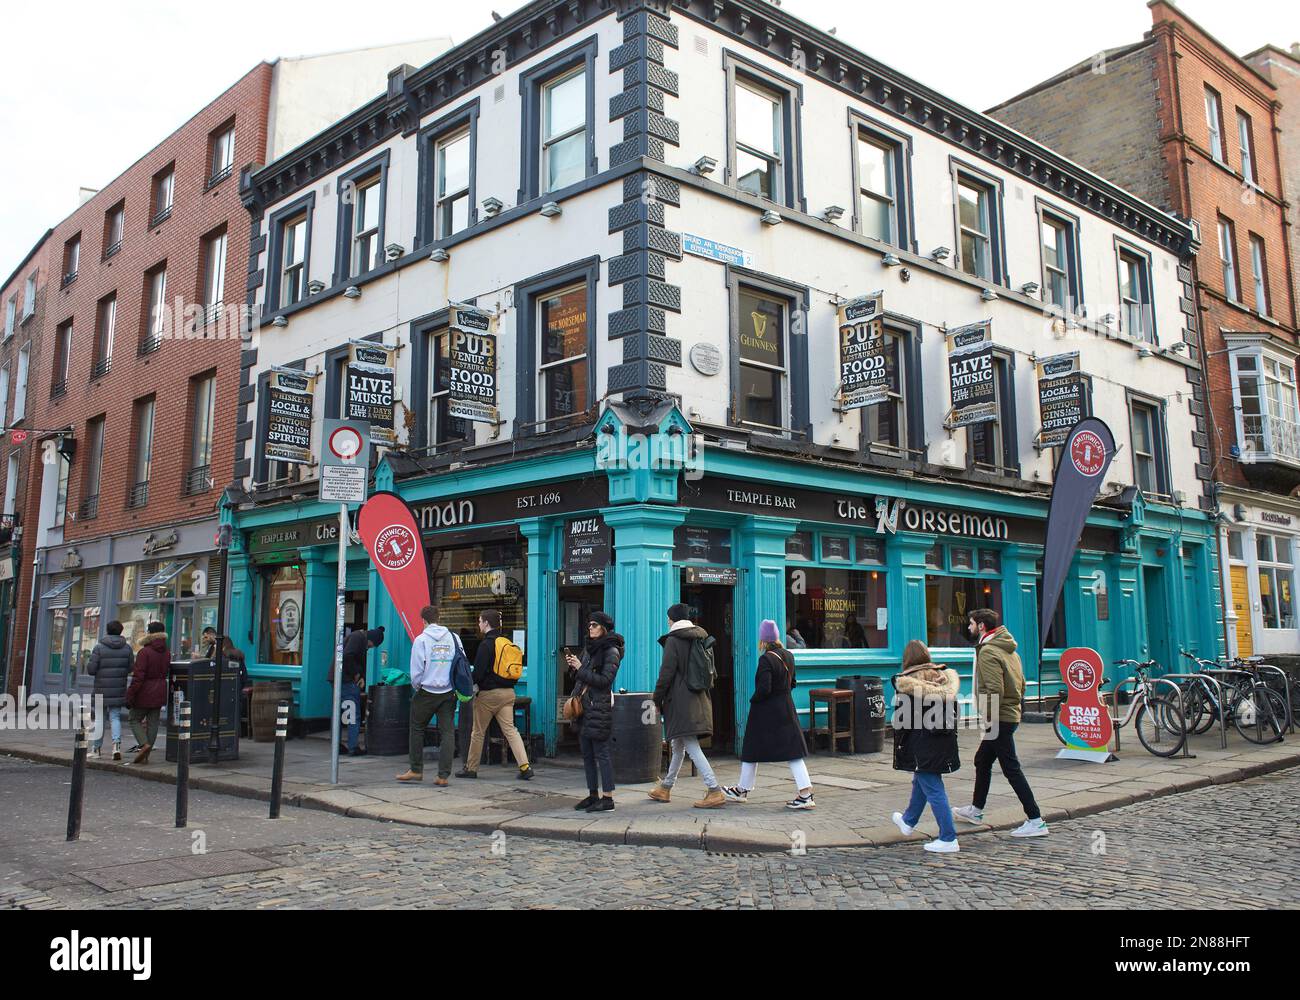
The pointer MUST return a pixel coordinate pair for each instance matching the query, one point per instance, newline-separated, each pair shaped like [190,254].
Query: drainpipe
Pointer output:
[29,656]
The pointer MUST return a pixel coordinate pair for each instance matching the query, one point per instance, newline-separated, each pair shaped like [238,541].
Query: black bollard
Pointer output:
[277,770]
[183,765]
[80,748]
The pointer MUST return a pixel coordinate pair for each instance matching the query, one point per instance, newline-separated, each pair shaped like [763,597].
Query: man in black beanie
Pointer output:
[354,678]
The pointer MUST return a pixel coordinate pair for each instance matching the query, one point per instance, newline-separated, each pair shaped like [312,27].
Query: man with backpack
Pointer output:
[682,694]
[498,665]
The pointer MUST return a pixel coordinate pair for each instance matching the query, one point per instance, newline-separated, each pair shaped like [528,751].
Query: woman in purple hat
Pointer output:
[772,734]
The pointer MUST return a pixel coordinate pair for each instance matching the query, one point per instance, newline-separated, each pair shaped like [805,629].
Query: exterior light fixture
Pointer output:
[315,286]
[492,206]
[353,292]
[704,166]
[280,321]
[833,214]
[394,251]
[550,210]
[1144,352]
[891,260]
[988,295]
[940,254]
[440,256]
[1030,287]
[771,218]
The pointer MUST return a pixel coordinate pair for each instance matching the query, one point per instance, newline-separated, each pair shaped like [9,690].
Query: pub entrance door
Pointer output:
[575,609]
[717,616]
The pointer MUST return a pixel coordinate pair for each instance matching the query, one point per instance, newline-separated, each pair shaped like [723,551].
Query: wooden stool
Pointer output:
[832,699]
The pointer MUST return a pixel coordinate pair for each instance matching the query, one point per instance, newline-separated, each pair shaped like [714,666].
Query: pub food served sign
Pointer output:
[472,365]
[864,369]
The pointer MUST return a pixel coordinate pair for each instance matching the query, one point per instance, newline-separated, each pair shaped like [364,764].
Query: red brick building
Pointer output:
[1184,121]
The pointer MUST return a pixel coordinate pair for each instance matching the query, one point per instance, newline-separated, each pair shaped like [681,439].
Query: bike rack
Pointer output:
[1286,686]
[1223,716]
[1186,754]
[1250,674]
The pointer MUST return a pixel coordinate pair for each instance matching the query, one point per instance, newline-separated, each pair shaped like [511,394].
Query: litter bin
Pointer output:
[637,739]
[194,681]
[388,720]
[868,711]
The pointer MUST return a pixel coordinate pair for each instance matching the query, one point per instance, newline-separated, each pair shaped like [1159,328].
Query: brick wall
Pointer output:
[1283,69]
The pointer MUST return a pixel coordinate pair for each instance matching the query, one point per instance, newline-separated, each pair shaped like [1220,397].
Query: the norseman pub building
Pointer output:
[694,302]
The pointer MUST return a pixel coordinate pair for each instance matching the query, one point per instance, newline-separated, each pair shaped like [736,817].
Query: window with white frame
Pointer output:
[114,223]
[885,424]
[71,259]
[11,485]
[452,202]
[62,353]
[564,130]
[29,295]
[20,382]
[214,275]
[1246,143]
[1061,281]
[142,465]
[156,321]
[223,155]
[1135,319]
[367,254]
[760,152]
[1214,123]
[61,492]
[11,315]
[1259,267]
[1276,565]
[1228,257]
[975,222]
[1146,432]
[89,507]
[1265,389]
[877,187]
[203,393]
[991,443]
[763,390]
[105,330]
[164,191]
[4,396]
[564,368]
[293,261]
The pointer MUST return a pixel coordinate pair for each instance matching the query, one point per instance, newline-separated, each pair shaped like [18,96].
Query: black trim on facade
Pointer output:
[904,204]
[1074,254]
[1164,476]
[426,223]
[791,193]
[275,233]
[531,83]
[349,182]
[1148,291]
[912,381]
[997,220]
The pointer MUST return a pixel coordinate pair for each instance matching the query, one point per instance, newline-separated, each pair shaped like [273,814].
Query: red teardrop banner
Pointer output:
[391,535]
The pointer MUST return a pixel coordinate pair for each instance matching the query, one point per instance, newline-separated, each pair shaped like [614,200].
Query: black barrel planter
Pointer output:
[869,712]
[636,745]
[388,721]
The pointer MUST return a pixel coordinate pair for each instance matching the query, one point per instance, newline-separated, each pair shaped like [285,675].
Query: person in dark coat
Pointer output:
[494,697]
[358,643]
[595,679]
[772,734]
[110,664]
[925,740]
[688,714]
[147,692]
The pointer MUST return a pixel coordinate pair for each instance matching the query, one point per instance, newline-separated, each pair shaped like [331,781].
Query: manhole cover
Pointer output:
[169,870]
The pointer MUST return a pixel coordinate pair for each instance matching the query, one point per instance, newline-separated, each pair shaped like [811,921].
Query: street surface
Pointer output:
[1184,851]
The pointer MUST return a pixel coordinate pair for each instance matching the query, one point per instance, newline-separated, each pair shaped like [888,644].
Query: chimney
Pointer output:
[1295,50]
[85,194]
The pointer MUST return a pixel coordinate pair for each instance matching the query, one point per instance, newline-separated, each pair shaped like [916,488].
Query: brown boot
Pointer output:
[660,794]
[411,776]
[143,756]
[714,800]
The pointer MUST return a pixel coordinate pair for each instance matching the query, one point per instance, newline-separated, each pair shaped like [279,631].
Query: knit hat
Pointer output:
[681,612]
[602,619]
[767,631]
[375,636]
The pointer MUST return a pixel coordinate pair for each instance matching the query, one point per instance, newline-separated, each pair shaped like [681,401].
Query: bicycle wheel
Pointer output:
[1197,711]
[1056,723]
[1260,715]
[1159,725]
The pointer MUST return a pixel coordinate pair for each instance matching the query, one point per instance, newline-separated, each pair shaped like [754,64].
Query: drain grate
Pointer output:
[183,869]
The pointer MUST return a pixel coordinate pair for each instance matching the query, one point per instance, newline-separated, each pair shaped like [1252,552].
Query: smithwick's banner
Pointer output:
[288,424]
[472,365]
[1080,472]
[370,392]
[971,375]
[391,535]
[1064,397]
[864,369]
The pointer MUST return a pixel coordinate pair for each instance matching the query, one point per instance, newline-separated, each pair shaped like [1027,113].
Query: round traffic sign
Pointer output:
[345,443]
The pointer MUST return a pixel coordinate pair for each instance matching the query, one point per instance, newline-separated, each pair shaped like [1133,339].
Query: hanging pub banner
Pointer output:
[288,423]
[371,384]
[864,370]
[587,546]
[971,375]
[391,535]
[472,365]
[1080,472]
[1063,397]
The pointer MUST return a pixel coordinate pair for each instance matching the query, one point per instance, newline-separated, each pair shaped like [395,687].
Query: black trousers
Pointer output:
[595,755]
[1003,750]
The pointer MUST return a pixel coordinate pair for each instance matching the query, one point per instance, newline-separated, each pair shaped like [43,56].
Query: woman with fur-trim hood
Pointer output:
[925,740]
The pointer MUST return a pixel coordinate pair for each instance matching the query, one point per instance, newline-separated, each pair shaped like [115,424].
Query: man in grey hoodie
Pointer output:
[432,693]
[110,664]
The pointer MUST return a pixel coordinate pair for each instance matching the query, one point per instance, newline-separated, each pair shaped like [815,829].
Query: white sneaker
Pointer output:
[735,793]
[95,752]
[943,846]
[969,814]
[902,824]
[1031,828]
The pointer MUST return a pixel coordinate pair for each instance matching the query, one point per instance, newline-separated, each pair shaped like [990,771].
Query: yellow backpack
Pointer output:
[509,663]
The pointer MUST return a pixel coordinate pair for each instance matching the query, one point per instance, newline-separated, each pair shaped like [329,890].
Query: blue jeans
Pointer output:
[351,693]
[115,725]
[928,787]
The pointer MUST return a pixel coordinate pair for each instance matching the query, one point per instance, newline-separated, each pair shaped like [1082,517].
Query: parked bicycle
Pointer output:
[1157,716]
[1256,710]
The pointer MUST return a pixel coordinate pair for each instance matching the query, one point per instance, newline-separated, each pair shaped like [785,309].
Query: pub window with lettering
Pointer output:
[885,424]
[564,366]
[963,578]
[762,390]
[838,600]
[470,579]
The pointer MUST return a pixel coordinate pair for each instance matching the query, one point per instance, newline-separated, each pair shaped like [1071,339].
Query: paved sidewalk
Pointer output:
[855,794]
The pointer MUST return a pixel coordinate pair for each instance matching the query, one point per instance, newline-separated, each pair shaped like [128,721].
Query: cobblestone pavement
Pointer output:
[1181,852]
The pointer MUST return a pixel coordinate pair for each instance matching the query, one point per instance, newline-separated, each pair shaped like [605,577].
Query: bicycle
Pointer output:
[1257,711]
[1157,718]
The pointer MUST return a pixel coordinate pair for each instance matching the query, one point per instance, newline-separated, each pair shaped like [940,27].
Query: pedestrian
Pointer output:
[794,639]
[232,654]
[147,692]
[999,687]
[772,734]
[498,663]
[110,664]
[688,714]
[355,647]
[594,686]
[207,647]
[925,740]
[433,693]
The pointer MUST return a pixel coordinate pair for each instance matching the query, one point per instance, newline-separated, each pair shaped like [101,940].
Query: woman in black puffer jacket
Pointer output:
[595,679]
[925,740]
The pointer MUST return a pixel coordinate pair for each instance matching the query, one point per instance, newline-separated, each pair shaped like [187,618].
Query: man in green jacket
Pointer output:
[1000,687]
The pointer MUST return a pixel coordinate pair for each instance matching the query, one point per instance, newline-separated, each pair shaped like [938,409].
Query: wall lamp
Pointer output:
[550,210]
[492,206]
[440,256]
[771,218]
[833,214]
[940,254]
[704,166]
[1030,288]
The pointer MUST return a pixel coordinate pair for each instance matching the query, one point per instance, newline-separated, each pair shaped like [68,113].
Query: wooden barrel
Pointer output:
[267,696]
[637,739]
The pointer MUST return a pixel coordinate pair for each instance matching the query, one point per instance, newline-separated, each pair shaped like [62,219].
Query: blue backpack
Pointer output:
[462,675]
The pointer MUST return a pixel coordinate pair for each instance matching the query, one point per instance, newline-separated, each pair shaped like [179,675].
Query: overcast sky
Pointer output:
[86,88]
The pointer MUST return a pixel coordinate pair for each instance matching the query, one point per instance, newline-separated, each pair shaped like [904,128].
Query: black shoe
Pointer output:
[587,803]
[135,749]
[357,752]
[466,773]
[606,804]
[525,773]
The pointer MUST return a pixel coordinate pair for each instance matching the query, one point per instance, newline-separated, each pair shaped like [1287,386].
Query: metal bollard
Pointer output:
[80,748]
[183,766]
[277,771]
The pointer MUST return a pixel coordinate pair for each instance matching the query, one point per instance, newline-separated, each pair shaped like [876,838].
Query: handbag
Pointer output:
[573,706]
